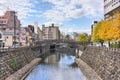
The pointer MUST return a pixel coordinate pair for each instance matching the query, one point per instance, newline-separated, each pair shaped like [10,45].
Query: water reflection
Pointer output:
[57,67]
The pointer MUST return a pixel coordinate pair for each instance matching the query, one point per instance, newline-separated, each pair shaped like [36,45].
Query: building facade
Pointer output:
[1,39]
[31,36]
[110,7]
[9,23]
[8,39]
[22,37]
[75,36]
[40,34]
[51,33]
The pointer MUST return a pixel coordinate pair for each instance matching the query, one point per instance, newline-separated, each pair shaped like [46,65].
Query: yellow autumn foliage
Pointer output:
[107,30]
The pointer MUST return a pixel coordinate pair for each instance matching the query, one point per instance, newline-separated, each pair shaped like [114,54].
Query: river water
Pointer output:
[57,67]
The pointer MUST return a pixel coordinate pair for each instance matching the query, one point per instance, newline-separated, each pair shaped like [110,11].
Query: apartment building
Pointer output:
[110,7]
[22,37]
[51,32]
[9,23]
[31,36]
[40,34]
[8,36]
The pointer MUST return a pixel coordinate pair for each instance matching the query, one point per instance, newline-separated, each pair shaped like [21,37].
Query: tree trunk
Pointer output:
[119,44]
[102,43]
[108,43]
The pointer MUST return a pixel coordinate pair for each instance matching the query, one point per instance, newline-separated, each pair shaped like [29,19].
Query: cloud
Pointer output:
[72,9]
[54,15]
[53,10]
[47,24]
[22,7]
[72,29]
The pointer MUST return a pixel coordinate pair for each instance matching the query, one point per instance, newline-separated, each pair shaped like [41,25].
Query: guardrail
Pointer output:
[42,42]
[6,49]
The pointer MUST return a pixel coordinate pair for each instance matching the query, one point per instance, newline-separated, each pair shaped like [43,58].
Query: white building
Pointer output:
[36,27]
[110,7]
[40,34]
[75,36]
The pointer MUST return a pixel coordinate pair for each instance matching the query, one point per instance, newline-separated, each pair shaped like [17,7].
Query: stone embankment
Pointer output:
[21,73]
[104,61]
[87,70]
[14,59]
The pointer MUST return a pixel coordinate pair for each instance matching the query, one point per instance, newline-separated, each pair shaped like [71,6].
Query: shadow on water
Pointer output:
[43,57]
[57,66]
[73,65]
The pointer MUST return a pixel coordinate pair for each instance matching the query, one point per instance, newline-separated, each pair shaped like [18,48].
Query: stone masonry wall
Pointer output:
[105,61]
[12,60]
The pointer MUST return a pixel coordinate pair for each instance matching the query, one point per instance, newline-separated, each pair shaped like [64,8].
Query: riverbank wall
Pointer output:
[14,59]
[24,71]
[104,61]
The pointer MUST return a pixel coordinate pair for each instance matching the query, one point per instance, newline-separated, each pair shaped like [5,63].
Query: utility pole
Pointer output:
[14,29]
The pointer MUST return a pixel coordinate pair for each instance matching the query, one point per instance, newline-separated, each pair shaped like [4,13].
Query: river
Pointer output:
[57,67]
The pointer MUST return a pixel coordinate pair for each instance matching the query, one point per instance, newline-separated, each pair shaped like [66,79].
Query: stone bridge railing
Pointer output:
[60,41]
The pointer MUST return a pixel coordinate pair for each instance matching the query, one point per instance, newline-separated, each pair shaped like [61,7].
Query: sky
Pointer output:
[70,15]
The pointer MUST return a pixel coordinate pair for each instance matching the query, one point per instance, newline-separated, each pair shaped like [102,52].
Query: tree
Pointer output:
[96,33]
[107,30]
[117,25]
[116,22]
[83,38]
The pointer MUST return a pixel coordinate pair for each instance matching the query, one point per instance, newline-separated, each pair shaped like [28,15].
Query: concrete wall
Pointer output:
[9,40]
[105,61]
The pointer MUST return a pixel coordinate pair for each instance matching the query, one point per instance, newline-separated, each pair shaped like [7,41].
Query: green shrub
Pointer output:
[113,45]
[13,63]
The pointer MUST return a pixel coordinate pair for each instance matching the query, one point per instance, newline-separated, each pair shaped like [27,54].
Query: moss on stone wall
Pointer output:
[13,62]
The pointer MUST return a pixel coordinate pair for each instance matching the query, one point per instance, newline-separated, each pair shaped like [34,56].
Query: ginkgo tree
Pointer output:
[116,23]
[107,30]
[96,33]
[83,38]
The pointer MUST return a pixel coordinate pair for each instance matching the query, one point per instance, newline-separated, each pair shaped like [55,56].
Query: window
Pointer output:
[49,29]
[23,39]
[1,22]
[7,37]
[10,28]
[23,33]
